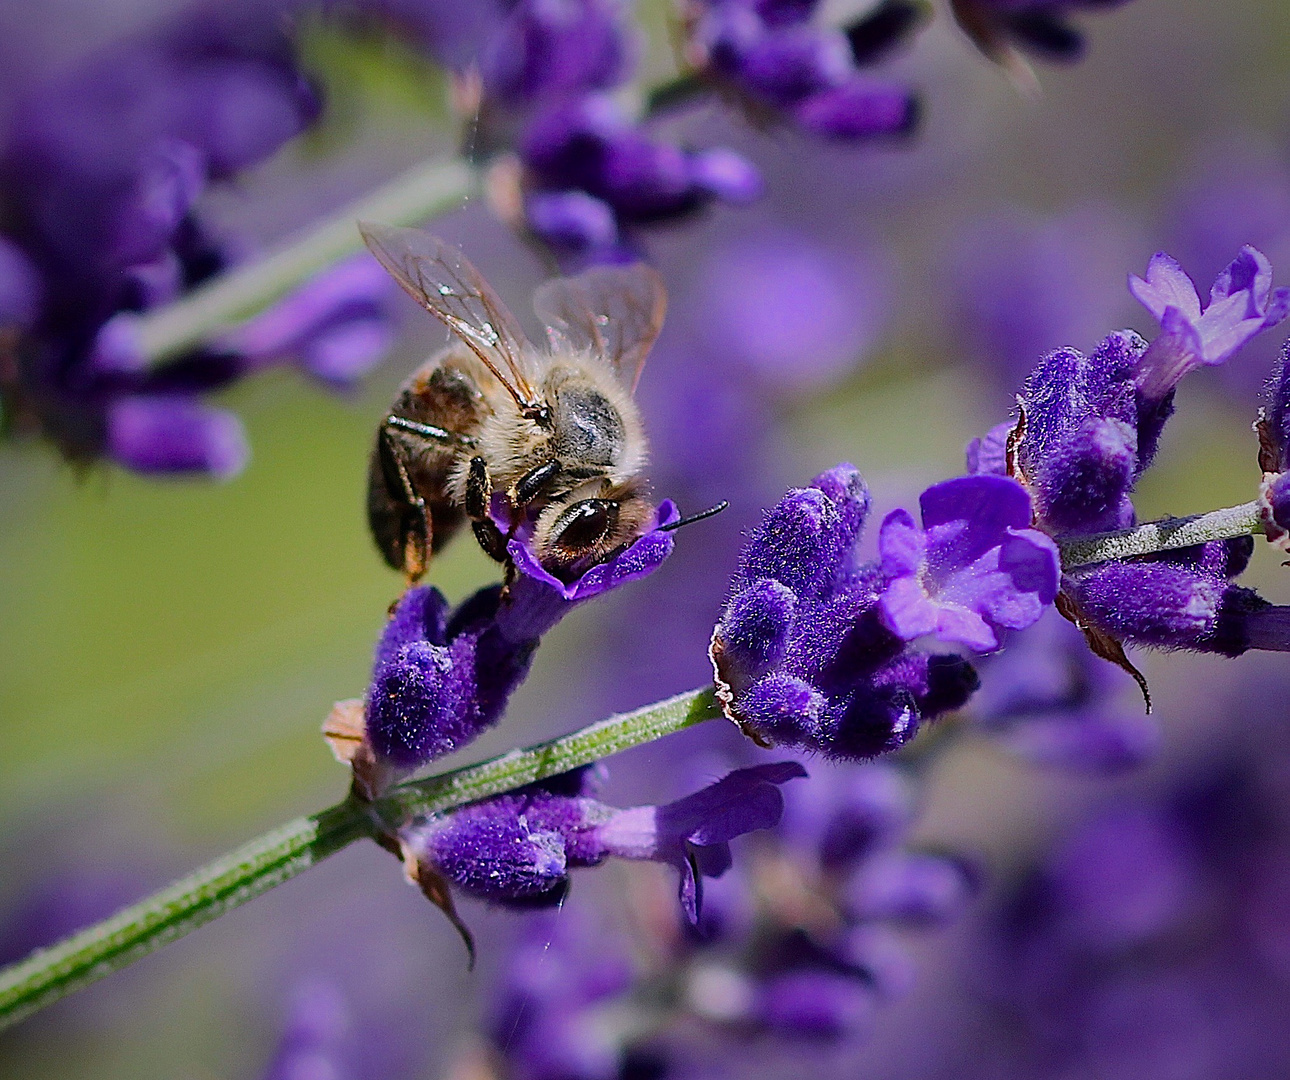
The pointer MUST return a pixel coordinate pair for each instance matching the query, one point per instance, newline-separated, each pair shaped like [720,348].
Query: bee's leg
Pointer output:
[414,519]
[529,486]
[479,487]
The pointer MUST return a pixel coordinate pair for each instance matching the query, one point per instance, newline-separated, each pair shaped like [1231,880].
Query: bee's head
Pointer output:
[575,533]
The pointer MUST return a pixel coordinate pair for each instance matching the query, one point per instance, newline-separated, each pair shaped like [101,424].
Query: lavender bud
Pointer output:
[168,435]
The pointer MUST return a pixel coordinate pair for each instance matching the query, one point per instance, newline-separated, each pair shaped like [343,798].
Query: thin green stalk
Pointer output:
[424,191]
[1168,535]
[280,855]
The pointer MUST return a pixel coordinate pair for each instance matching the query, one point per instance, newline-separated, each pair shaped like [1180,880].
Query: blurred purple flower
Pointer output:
[312,1042]
[974,568]
[1047,699]
[808,76]
[589,145]
[1023,285]
[174,434]
[336,325]
[556,49]
[102,170]
[797,314]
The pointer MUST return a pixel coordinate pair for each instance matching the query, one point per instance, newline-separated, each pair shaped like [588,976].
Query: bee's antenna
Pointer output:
[712,511]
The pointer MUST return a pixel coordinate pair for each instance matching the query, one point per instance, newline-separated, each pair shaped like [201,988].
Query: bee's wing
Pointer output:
[442,280]
[614,311]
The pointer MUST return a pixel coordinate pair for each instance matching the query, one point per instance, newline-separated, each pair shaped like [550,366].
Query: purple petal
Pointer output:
[639,560]
[901,544]
[743,801]
[726,174]
[1166,286]
[859,110]
[965,626]
[988,503]
[21,290]
[355,288]
[908,611]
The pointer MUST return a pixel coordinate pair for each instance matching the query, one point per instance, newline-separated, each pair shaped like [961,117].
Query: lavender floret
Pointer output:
[973,569]
[1242,303]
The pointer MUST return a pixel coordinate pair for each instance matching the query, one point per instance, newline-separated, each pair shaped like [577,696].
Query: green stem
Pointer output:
[1168,535]
[280,855]
[424,191]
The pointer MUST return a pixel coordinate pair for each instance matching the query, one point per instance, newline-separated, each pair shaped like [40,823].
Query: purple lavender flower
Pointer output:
[542,1020]
[1185,600]
[589,145]
[520,846]
[557,49]
[102,170]
[1091,425]
[974,568]
[807,76]
[1242,304]
[174,433]
[802,654]
[794,313]
[440,678]
[336,325]
[312,1041]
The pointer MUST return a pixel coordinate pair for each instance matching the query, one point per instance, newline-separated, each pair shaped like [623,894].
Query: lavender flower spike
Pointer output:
[517,849]
[1241,304]
[441,678]
[974,568]
[801,654]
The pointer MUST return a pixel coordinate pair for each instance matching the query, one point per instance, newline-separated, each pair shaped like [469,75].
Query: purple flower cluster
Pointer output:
[441,677]
[811,964]
[102,170]
[768,53]
[1150,939]
[1091,425]
[517,849]
[589,174]
[813,649]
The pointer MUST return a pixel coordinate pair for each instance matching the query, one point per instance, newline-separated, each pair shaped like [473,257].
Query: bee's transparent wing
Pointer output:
[615,312]
[442,280]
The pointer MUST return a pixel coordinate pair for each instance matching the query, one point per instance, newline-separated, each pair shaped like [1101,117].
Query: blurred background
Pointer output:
[169,648]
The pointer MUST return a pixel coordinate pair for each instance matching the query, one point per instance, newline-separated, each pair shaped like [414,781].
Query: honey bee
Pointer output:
[552,430]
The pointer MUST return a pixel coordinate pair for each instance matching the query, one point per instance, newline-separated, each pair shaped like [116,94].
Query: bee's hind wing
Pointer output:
[615,312]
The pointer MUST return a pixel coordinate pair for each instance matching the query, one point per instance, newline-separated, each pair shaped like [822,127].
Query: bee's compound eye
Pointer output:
[585,524]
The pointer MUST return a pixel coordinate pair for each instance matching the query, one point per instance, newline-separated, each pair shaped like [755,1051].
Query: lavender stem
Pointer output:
[422,192]
[1167,535]
[277,856]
